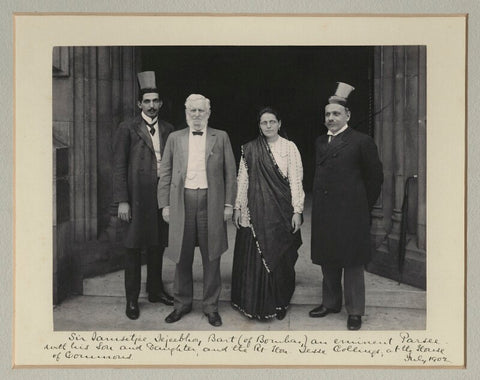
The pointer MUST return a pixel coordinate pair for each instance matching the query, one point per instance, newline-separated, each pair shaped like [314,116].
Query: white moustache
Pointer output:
[190,121]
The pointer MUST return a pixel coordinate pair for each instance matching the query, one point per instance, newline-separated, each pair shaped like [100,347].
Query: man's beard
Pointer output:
[203,122]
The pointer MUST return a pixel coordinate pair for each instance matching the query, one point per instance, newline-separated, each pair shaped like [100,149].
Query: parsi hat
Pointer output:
[146,80]
[341,94]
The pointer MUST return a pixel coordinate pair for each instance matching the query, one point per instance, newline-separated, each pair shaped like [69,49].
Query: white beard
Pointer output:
[204,123]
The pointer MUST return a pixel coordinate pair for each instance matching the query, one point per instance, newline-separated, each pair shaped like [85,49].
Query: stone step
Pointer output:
[380,291]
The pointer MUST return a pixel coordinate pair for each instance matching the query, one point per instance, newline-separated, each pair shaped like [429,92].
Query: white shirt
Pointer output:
[155,140]
[330,134]
[289,162]
[196,170]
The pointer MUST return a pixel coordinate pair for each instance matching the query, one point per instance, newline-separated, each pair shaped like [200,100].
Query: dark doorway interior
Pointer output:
[239,80]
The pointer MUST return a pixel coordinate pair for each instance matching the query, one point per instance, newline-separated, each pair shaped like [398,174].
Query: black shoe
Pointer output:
[321,311]
[176,315]
[162,297]
[132,311]
[354,322]
[214,319]
[281,313]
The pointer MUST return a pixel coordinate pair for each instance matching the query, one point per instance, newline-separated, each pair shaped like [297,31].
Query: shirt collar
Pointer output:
[148,119]
[338,132]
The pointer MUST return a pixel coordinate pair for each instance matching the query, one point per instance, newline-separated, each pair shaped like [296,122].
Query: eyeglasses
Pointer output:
[264,123]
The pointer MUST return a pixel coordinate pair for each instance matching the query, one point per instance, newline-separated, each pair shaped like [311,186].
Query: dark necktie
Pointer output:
[151,126]
[197,133]
[331,138]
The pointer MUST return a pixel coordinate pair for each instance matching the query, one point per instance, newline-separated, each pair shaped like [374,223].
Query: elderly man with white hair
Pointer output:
[196,191]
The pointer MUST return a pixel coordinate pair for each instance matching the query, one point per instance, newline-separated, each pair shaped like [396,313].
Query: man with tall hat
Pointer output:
[196,191]
[138,148]
[347,182]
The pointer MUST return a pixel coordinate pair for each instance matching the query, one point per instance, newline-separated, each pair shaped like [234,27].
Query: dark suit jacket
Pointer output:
[135,179]
[347,182]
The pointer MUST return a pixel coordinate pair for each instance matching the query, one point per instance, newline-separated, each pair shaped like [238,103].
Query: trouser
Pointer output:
[196,230]
[354,288]
[133,265]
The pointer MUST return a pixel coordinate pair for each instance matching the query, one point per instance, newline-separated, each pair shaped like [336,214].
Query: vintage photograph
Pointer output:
[239,188]
[221,190]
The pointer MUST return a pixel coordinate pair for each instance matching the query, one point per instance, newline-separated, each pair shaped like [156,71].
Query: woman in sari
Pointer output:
[268,216]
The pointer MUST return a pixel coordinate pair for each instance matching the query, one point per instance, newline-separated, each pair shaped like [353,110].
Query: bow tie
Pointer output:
[197,133]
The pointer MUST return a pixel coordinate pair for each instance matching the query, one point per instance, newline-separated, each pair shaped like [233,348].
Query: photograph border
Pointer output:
[310,15]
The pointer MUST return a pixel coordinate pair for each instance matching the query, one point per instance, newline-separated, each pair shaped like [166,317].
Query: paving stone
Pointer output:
[88,313]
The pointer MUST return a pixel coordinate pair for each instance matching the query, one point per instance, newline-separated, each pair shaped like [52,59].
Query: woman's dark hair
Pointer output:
[268,110]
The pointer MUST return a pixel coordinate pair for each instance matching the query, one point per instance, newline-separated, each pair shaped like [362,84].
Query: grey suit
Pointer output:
[197,215]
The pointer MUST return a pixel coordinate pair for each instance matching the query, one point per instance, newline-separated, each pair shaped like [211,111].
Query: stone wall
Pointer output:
[400,134]
[94,88]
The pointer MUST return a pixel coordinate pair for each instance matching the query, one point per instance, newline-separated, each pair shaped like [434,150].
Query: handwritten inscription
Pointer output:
[113,347]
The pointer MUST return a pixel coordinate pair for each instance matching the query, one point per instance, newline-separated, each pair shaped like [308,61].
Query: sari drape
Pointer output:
[269,203]
[263,275]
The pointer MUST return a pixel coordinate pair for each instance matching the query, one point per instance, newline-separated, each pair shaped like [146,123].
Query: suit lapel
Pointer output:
[141,129]
[338,143]
[322,148]
[163,135]
[184,140]
[211,139]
